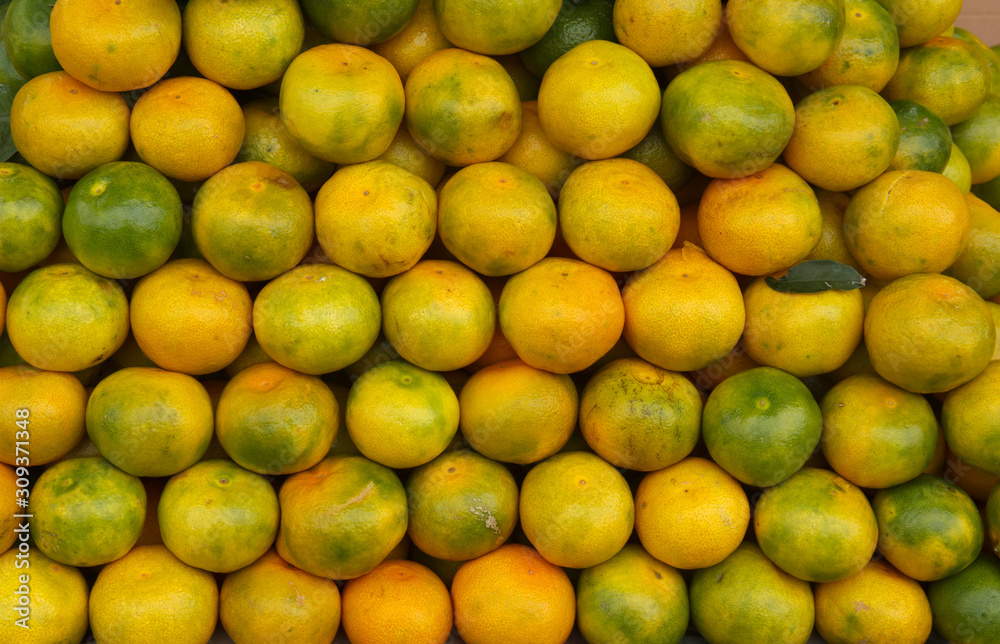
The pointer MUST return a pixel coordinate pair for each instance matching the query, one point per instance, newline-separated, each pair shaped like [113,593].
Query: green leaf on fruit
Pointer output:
[816,276]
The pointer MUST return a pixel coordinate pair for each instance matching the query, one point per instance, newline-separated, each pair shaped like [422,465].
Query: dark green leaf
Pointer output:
[816,276]
[7,148]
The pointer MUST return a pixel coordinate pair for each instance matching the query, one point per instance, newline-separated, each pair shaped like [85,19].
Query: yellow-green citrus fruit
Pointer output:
[632,597]
[495,28]
[978,266]
[618,214]
[925,141]
[30,214]
[462,107]
[727,118]
[906,221]
[946,75]
[86,511]
[342,517]
[376,218]
[496,218]
[273,420]
[267,140]
[598,100]
[929,528]
[816,526]
[252,222]
[359,22]
[747,599]
[218,516]
[786,37]
[875,434]
[400,415]
[879,603]
[917,26]
[341,103]
[57,595]
[638,416]
[969,418]
[929,333]
[976,137]
[273,596]
[337,310]
[150,422]
[167,600]
[867,53]
[845,136]
[966,605]
[576,509]
[462,505]
[63,317]
[242,45]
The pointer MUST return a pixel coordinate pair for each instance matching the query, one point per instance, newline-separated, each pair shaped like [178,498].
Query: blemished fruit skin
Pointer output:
[462,505]
[341,518]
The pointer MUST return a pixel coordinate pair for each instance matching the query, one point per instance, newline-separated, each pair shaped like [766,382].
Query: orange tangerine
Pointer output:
[187,128]
[419,38]
[64,128]
[512,594]
[667,34]
[116,46]
[561,314]
[188,317]
[683,312]
[762,223]
[515,413]
[691,514]
[397,602]
[376,218]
